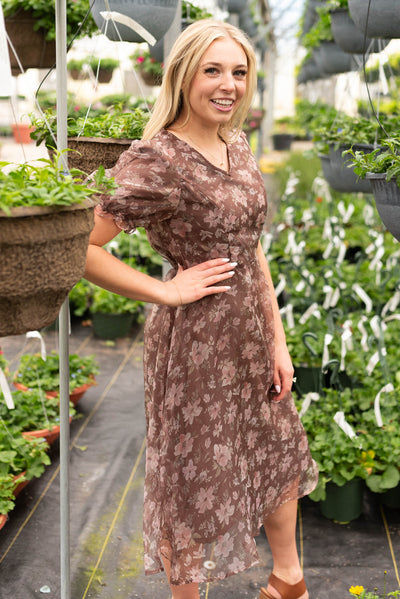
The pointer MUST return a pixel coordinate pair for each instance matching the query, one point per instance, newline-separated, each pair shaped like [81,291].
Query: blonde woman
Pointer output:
[226,451]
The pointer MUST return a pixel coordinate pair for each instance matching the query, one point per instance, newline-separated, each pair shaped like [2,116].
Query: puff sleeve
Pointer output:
[148,187]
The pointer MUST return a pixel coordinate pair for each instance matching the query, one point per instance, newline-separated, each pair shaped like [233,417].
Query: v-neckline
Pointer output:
[222,170]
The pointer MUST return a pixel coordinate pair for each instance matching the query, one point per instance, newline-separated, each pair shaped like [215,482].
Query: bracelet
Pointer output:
[177,288]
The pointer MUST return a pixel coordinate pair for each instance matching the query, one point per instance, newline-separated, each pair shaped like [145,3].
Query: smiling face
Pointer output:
[219,84]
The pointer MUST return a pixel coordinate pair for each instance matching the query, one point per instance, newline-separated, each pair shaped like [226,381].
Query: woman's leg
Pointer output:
[280,528]
[183,591]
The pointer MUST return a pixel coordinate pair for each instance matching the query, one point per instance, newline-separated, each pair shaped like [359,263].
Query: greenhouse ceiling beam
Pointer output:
[61,93]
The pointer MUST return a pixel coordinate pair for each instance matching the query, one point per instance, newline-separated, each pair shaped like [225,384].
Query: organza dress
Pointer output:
[220,454]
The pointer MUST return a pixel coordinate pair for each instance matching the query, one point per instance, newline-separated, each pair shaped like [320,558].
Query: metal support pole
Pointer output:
[169,40]
[61,84]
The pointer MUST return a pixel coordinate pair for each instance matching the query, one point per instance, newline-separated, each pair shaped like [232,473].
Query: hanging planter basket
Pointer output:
[344,177]
[42,253]
[155,16]
[232,6]
[343,504]
[387,200]
[348,37]
[90,152]
[104,75]
[383,17]
[31,46]
[150,78]
[333,60]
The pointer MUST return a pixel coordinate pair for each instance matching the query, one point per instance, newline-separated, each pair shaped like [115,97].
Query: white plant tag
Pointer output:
[372,363]
[377,407]
[37,335]
[312,396]
[281,285]
[363,331]
[363,297]
[344,425]
[6,391]
[306,315]
[325,355]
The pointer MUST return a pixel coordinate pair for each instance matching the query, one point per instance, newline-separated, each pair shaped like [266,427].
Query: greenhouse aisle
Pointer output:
[107,470]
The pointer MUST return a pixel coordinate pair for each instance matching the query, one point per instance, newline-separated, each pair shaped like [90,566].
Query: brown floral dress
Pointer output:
[220,454]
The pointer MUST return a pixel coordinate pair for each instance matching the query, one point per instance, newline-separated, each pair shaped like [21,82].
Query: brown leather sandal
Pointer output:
[286,591]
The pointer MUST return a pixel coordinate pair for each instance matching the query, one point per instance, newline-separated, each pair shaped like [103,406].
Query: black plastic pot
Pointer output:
[155,16]
[348,37]
[282,141]
[343,504]
[334,60]
[345,178]
[111,326]
[387,200]
[379,18]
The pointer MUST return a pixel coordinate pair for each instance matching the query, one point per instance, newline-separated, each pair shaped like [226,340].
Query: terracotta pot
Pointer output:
[379,18]
[20,486]
[50,435]
[43,253]
[21,132]
[31,46]
[3,520]
[74,396]
[155,16]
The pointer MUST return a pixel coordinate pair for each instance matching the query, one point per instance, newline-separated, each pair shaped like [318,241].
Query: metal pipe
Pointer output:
[61,86]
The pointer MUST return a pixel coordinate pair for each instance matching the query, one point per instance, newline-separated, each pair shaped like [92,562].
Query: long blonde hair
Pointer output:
[182,65]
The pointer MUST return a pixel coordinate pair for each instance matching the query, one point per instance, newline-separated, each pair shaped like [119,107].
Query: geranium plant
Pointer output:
[144,61]
[36,373]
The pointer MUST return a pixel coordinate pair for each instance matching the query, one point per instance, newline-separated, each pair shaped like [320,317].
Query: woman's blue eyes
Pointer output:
[214,71]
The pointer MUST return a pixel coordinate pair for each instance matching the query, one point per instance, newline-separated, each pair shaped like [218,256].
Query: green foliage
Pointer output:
[114,123]
[320,32]
[44,13]
[20,454]
[192,13]
[33,411]
[47,185]
[36,373]
[112,303]
[385,159]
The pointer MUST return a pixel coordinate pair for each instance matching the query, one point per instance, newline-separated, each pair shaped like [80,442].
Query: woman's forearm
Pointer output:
[105,270]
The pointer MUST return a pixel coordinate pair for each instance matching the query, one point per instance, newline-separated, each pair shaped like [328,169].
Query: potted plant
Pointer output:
[34,415]
[43,211]
[150,69]
[96,140]
[382,168]
[75,68]
[35,373]
[21,459]
[282,135]
[113,315]
[103,68]
[341,462]
[30,25]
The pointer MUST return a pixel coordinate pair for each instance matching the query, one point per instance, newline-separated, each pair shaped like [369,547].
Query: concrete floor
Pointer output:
[107,470]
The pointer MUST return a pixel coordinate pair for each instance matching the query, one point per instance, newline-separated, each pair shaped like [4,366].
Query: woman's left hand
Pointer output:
[283,372]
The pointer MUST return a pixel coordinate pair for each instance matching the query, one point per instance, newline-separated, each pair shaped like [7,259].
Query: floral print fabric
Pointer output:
[220,454]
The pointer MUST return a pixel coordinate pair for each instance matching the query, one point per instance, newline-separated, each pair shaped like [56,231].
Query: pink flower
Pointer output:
[228,372]
[185,445]
[191,411]
[250,350]
[205,499]
[200,352]
[189,471]
[140,59]
[222,455]
[224,545]
[225,511]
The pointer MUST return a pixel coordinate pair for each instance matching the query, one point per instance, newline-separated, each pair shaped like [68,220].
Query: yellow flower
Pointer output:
[357,590]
